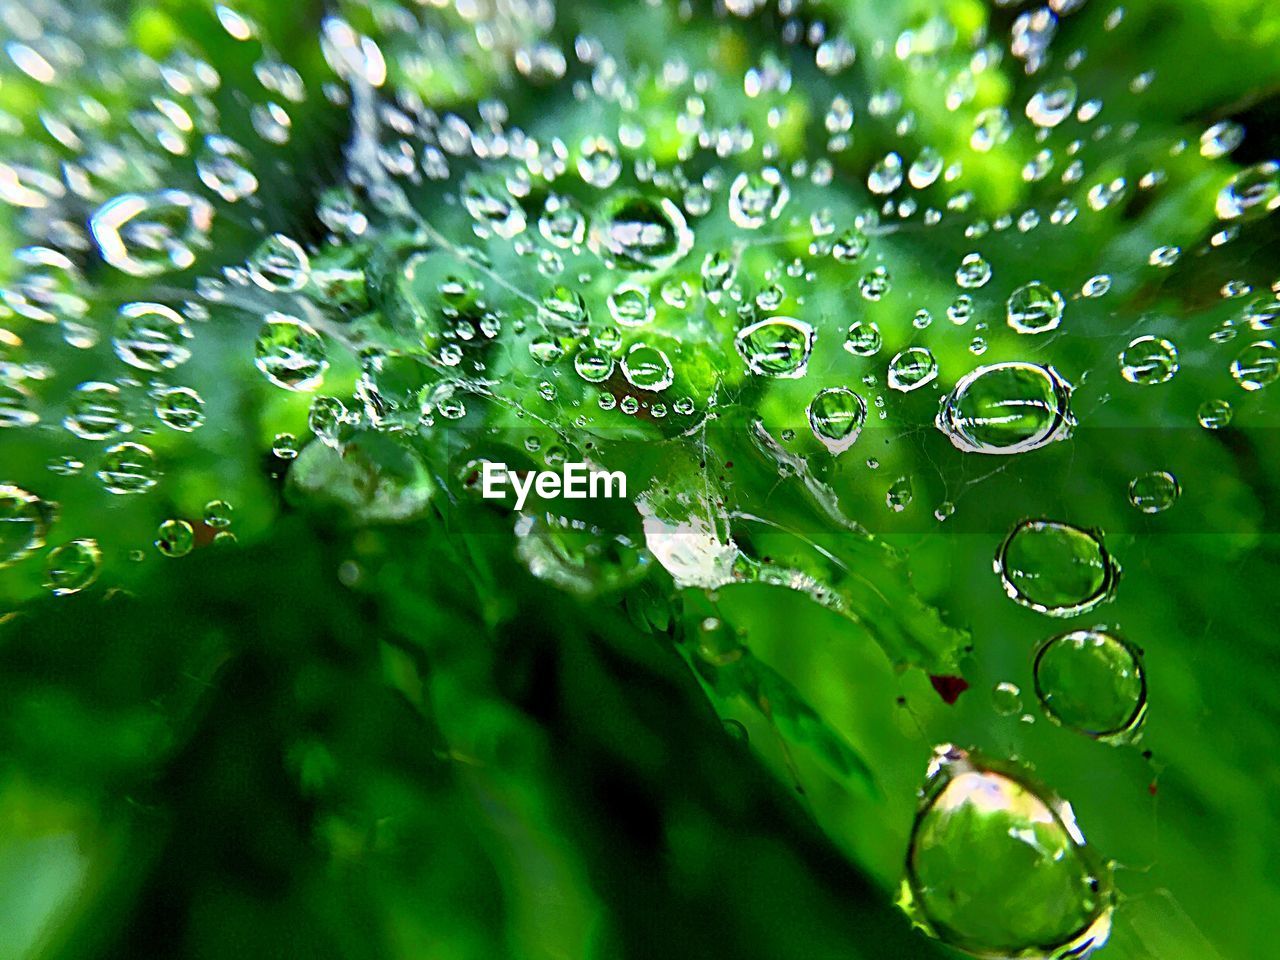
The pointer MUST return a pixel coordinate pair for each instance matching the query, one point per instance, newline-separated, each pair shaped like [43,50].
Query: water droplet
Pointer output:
[836,416]
[926,168]
[647,368]
[285,446]
[150,336]
[96,412]
[280,264]
[71,567]
[886,176]
[863,339]
[996,865]
[562,224]
[991,128]
[175,538]
[224,167]
[638,233]
[593,364]
[912,369]
[973,272]
[128,468]
[24,523]
[1055,568]
[16,406]
[1251,194]
[180,408]
[629,305]
[1006,698]
[1091,681]
[150,234]
[599,163]
[1034,307]
[849,246]
[899,495]
[1149,361]
[290,353]
[217,514]
[1154,492]
[757,198]
[1214,414]
[1221,139]
[1256,366]
[1006,408]
[776,347]
[1052,103]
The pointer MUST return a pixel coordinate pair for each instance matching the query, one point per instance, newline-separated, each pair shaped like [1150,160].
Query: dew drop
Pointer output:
[1148,361]
[128,468]
[24,523]
[1006,408]
[863,339]
[1034,307]
[1251,194]
[647,368]
[72,566]
[1256,366]
[836,416]
[1154,492]
[638,233]
[757,198]
[912,369]
[151,336]
[1091,681]
[776,347]
[149,234]
[996,865]
[175,538]
[280,264]
[290,353]
[1055,568]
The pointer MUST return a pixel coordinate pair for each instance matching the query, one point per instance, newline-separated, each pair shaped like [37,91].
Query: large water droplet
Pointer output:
[154,233]
[638,233]
[24,523]
[128,468]
[151,336]
[912,369]
[290,353]
[1251,194]
[836,416]
[71,567]
[757,198]
[1149,361]
[1055,568]
[280,264]
[1006,408]
[647,368]
[1034,307]
[776,347]
[998,867]
[96,412]
[1092,682]
[1257,365]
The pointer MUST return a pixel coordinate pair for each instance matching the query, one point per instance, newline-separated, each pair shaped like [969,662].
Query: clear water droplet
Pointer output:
[1034,307]
[1055,568]
[1092,681]
[776,347]
[836,416]
[912,369]
[150,234]
[72,566]
[1006,408]
[290,353]
[1149,361]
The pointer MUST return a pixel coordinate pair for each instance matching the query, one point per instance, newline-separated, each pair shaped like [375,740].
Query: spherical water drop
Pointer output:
[912,369]
[886,176]
[1214,414]
[1034,307]
[647,368]
[71,567]
[1256,366]
[1055,568]
[973,272]
[1091,681]
[1149,361]
[150,234]
[863,339]
[836,416]
[24,523]
[1154,492]
[150,336]
[1251,194]
[638,233]
[997,867]
[180,408]
[776,347]
[128,468]
[290,353]
[1006,408]
[280,264]
[757,198]
[175,538]
[1052,103]
[96,412]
